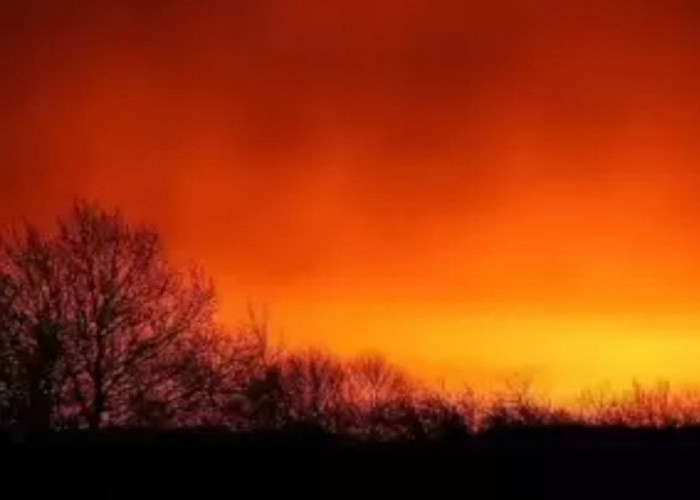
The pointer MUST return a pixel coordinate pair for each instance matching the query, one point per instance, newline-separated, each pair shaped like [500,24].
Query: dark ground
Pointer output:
[552,463]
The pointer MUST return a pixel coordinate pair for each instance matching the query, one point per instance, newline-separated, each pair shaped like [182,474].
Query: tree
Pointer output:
[28,333]
[374,381]
[97,329]
[299,388]
[382,397]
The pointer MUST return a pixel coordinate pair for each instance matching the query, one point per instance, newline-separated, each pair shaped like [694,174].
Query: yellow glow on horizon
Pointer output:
[562,354]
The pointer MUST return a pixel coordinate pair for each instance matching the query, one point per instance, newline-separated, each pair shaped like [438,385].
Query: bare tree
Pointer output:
[382,396]
[29,332]
[300,388]
[215,374]
[97,329]
[518,406]
[374,381]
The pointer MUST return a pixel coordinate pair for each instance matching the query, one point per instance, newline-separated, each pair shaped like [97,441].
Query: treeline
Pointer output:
[99,331]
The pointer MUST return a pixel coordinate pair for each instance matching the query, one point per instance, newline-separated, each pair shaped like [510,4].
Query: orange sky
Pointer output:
[475,188]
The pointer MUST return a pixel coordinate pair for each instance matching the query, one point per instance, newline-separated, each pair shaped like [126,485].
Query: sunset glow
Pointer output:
[473,188]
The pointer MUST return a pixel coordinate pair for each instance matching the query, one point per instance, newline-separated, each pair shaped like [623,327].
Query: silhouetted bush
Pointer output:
[518,407]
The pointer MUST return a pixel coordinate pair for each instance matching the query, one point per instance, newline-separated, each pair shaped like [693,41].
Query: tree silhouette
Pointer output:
[97,329]
[299,388]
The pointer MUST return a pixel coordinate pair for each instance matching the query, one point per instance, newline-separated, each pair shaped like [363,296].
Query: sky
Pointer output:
[474,188]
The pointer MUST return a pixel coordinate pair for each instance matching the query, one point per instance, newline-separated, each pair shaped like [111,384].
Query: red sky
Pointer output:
[475,188]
